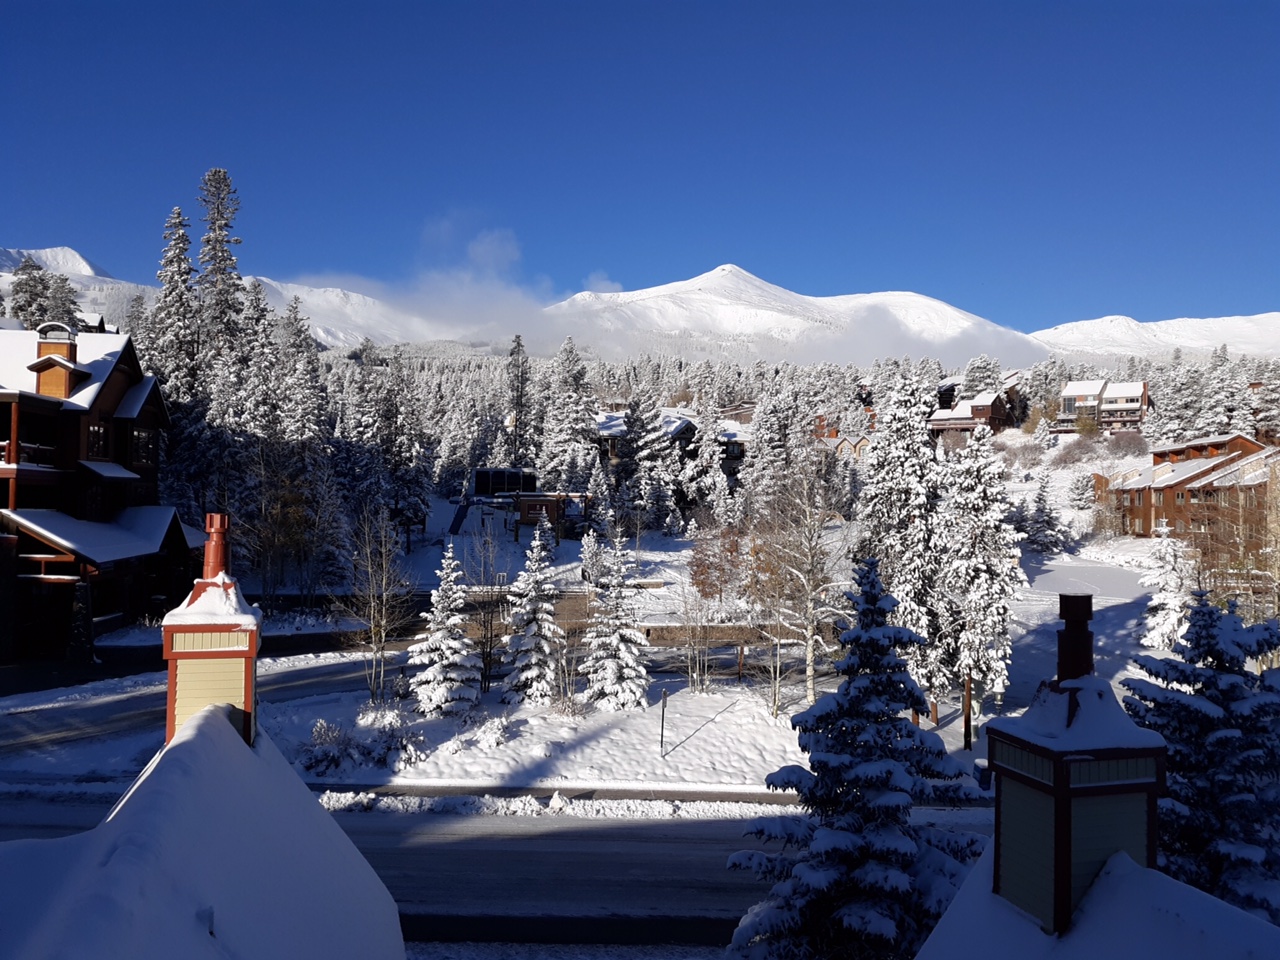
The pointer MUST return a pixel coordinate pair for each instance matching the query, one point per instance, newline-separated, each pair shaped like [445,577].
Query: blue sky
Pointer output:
[1031,162]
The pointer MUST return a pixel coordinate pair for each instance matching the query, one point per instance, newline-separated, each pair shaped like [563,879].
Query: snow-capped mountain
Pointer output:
[728,310]
[1258,335]
[724,312]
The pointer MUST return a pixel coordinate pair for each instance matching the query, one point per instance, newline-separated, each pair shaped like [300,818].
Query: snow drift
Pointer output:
[218,850]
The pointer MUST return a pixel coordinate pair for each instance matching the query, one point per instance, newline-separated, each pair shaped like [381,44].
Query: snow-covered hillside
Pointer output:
[1258,335]
[724,312]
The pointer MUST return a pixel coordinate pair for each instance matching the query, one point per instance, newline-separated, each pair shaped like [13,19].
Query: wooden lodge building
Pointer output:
[1194,487]
[85,545]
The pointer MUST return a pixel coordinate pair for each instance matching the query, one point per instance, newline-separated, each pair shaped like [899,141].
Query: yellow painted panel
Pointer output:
[202,682]
[186,641]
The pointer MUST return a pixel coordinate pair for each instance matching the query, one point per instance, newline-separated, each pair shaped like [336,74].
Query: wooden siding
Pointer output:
[1101,826]
[1026,849]
[185,641]
[205,681]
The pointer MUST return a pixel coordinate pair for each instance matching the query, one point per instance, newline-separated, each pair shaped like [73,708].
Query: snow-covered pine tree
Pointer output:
[1043,436]
[593,558]
[1045,532]
[981,375]
[535,645]
[519,445]
[29,295]
[449,681]
[1171,577]
[219,285]
[698,478]
[569,442]
[1220,822]
[863,881]
[616,677]
[980,573]
[62,305]
[899,517]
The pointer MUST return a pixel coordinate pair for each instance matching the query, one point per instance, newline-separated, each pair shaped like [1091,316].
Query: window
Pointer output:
[1180,497]
[1195,496]
[97,441]
[1126,499]
[1139,495]
[1180,527]
[1157,497]
[146,447]
[1069,406]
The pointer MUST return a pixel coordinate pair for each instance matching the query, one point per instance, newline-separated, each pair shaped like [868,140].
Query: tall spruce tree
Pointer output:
[980,568]
[863,882]
[536,644]
[29,295]
[1220,821]
[449,679]
[899,514]
[219,285]
[616,676]
[1171,577]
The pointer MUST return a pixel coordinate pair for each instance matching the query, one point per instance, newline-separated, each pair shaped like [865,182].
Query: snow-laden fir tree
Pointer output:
[1170,577]
[980,567]
[1220,820]
[898,515]
[62,305]
[449,679]
[862,881]
[616,677]
[1045,532]
[29,295]
[1043,436]
[536,644]
[593,556]
[219,285]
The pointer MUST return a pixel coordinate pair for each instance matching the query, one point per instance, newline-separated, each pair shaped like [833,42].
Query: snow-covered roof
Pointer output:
[963,410]
[984,399]
[1244,471]
[218,849]
[135,532]
[96,355]
[1128,911]
[613,424]
[108,469]
[1216,440]
[1172,474]
[1098,723]
[1124,391]
[1082,388]
[131,404]
[220,601]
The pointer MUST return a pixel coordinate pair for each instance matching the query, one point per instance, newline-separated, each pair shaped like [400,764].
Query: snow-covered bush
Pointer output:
[1127,443]
[1079,450]
[493,733]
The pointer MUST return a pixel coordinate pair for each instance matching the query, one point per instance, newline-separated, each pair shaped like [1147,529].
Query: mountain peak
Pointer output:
[62,260]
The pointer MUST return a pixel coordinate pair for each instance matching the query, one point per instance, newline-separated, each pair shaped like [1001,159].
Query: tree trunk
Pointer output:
[968,712]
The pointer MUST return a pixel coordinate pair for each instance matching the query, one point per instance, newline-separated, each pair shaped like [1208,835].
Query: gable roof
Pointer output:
[96,356]
[135,532]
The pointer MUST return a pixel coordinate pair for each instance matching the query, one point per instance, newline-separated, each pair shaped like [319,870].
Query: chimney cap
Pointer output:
[53,330]
[1075,606]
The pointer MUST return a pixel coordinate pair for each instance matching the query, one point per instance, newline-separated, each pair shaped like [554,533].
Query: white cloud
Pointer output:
[598,282]
[494,251]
